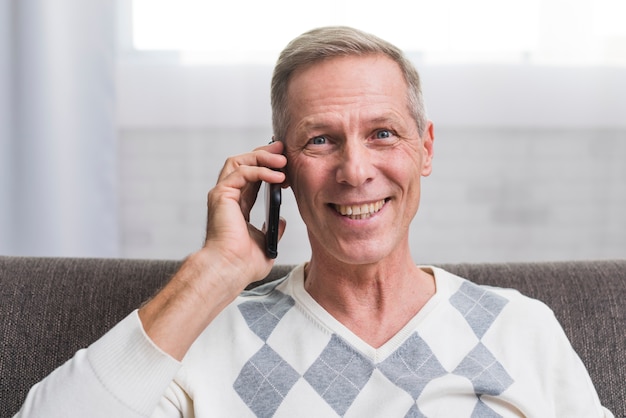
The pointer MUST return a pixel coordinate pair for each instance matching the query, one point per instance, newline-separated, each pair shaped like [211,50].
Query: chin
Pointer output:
[357,254]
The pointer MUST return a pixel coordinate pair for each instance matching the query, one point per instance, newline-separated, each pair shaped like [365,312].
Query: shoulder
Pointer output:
[504,303]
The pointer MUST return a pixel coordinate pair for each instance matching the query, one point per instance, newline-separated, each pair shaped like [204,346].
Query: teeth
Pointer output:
[363,211]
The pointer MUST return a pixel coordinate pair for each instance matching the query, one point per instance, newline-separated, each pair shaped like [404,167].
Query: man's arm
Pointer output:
[125,373]
[231,258]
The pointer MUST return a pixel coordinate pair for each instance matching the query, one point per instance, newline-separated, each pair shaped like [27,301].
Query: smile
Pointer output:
[362,211]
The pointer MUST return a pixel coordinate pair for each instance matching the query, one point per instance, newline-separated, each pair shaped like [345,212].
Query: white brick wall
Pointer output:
[496,194]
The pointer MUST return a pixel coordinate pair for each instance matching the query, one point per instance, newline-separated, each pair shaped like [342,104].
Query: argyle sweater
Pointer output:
[471,351]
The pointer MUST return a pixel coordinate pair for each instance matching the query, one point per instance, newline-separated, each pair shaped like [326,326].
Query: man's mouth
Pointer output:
[362,211]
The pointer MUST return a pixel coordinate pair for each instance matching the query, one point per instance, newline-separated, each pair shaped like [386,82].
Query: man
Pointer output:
[359,330]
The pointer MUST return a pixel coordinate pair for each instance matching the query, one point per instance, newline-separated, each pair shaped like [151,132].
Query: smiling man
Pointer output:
[359,330]
[355,158]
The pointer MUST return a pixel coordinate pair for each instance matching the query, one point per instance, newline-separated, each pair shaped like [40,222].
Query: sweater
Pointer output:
[471,351]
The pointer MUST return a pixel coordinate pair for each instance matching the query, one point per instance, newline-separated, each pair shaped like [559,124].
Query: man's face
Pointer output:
[355,157]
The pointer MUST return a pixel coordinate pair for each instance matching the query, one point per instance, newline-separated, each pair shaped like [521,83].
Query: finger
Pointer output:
[244,176]
[265,156]
[275,147]
[242,186]
[248,197]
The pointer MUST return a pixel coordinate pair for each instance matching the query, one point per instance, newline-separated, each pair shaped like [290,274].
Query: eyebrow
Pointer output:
[306,126]
[388,118]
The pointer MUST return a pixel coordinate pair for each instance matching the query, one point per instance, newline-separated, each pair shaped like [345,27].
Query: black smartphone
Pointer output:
[273,197]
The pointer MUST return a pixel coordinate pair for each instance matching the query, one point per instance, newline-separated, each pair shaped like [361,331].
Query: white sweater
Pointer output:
[472,351]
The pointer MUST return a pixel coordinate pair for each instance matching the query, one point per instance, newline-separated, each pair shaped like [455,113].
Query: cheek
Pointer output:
[414,157]
[300,179]
[404,172]
[404,166]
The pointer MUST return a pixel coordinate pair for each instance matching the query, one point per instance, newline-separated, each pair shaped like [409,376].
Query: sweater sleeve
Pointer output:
[574,392]
[560,373]
[123,374]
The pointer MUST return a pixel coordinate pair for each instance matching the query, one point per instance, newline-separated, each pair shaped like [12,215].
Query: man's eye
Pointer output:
[383,134]
[318,140]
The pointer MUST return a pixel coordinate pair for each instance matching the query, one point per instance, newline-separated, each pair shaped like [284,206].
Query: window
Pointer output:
[554,32]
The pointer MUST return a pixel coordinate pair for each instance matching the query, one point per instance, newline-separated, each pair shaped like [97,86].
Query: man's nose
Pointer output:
[355,166]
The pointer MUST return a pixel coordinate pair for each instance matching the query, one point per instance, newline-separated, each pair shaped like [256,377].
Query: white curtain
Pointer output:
[57,128]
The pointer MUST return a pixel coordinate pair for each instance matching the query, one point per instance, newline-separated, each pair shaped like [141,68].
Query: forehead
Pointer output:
[341,83]
[348,71]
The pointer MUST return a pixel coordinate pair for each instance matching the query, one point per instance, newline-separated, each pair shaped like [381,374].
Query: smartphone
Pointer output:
[273,197]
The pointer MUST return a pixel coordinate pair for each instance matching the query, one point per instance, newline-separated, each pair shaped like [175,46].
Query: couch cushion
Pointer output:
[51,307]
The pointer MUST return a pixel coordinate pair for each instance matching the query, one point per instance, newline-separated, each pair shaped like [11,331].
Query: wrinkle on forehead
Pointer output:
[321,97]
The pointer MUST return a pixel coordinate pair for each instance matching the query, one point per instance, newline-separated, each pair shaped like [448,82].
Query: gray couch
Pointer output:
[51,307]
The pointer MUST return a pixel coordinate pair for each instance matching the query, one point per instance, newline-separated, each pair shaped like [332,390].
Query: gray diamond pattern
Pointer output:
[483,411]
[486,373]
[412,366]
[414,412]
[339,374]
[264,382]
[262,317]
[479,306]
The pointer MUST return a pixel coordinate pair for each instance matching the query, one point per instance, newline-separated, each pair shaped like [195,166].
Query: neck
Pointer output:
[375,300]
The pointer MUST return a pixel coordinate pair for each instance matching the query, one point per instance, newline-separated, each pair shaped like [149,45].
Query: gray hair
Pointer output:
[330,42]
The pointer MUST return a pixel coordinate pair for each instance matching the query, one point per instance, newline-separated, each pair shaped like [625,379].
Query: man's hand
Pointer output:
[229,204]
[232,257]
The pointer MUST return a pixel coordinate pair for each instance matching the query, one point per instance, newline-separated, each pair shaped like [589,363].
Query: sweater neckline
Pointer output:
[316,313]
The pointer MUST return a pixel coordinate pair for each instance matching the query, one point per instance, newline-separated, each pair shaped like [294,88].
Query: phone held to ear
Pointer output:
[273,197]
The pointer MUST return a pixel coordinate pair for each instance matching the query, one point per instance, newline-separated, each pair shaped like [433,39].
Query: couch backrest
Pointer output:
[51,307]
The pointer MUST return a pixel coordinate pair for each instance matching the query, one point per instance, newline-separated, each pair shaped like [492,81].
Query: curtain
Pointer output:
[57,128]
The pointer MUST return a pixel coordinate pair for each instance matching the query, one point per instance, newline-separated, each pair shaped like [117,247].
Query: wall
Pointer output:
[528,161]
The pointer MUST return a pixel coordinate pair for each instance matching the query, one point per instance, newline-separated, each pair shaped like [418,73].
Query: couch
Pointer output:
[51,307]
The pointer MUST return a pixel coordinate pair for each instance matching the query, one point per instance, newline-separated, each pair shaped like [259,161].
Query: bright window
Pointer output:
[555,32]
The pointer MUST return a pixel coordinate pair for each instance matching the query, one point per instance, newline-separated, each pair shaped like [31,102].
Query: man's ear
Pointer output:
[427,143]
